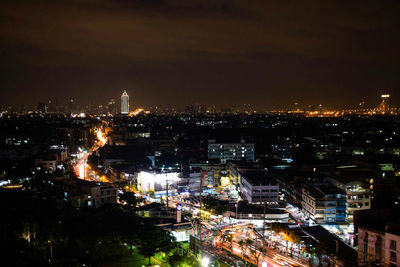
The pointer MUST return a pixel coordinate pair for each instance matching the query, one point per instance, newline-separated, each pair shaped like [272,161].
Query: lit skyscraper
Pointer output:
[111,107]
[124,103]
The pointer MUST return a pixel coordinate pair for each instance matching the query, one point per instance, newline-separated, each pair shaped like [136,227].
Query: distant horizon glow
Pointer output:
[270,55]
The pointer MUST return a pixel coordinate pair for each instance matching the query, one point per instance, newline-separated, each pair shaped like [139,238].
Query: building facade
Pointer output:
[231,151]
[257,186]
[324,205]
[358,195]
[378,248]
[124,103]
[102,194]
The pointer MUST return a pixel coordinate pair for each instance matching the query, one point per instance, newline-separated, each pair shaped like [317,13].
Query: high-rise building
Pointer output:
[124,103]
[71,106]
[42,108]
[384,105]
[111,107]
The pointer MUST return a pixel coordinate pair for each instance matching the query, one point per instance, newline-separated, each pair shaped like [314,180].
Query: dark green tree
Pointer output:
[179,260]
[153,239]
[131,200]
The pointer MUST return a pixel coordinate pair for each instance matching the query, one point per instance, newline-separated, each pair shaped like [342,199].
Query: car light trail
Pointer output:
[81,168]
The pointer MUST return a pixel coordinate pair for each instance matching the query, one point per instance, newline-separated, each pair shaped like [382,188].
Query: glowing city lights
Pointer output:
[205,262]
[137,112]
[101,137]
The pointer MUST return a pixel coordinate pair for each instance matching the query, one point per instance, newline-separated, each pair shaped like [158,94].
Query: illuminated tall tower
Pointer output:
[124,103]
[71,105]
[384,105]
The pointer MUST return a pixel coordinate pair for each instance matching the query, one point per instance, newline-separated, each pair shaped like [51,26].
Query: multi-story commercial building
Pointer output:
[85,193]
[358,195]
[230,151]
[378,239]
[42,108]
[257,186]
[111,107]
[102,194]
[124,103]
[323,204]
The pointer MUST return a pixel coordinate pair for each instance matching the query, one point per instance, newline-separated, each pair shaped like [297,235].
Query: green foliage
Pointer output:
[256,253]
[242,245]
[39,227]
[226,237]
[131,200]
[183,260]
[153,240]
[214,205]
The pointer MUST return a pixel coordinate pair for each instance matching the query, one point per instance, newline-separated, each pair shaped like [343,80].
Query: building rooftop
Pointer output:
[255,209]
[330,240]
[258,177]
[383,220]
[322,190]
[228,141]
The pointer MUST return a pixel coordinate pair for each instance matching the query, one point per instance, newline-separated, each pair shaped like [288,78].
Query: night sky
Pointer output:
[266,53]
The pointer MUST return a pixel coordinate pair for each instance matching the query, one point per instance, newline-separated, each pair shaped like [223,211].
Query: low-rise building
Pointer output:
[254,214]
[257,186]
[324,205]
[47,162]
[102,194]
[378,238]
[84,193]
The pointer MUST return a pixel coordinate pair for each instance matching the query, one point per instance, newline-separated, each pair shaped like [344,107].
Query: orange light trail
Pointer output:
[100,137]
[136,112]
[81,167]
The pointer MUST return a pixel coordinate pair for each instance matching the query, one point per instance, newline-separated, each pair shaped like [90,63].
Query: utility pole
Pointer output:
[166,181]
[201,196]
[237,206]
[263,233]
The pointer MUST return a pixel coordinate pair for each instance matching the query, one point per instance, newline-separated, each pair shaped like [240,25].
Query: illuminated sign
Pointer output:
[178,207]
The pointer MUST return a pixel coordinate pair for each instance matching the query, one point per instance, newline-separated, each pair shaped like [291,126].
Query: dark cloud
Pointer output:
[268,53]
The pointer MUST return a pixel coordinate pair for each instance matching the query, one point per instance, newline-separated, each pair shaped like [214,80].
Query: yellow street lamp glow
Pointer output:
[205,262]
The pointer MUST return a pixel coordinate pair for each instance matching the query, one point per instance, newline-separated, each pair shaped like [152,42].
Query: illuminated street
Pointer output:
[82,169]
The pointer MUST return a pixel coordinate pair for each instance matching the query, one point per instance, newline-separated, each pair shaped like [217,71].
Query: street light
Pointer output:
[205,262]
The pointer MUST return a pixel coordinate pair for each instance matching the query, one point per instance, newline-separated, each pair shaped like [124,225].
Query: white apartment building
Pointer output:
[257,186]
[231,151]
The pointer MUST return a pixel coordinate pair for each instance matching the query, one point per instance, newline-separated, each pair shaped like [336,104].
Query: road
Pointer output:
[82,169]
[241,253]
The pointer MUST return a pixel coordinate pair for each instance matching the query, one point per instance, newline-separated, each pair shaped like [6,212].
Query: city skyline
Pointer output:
[216,53]
[200,133]
[382,102]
